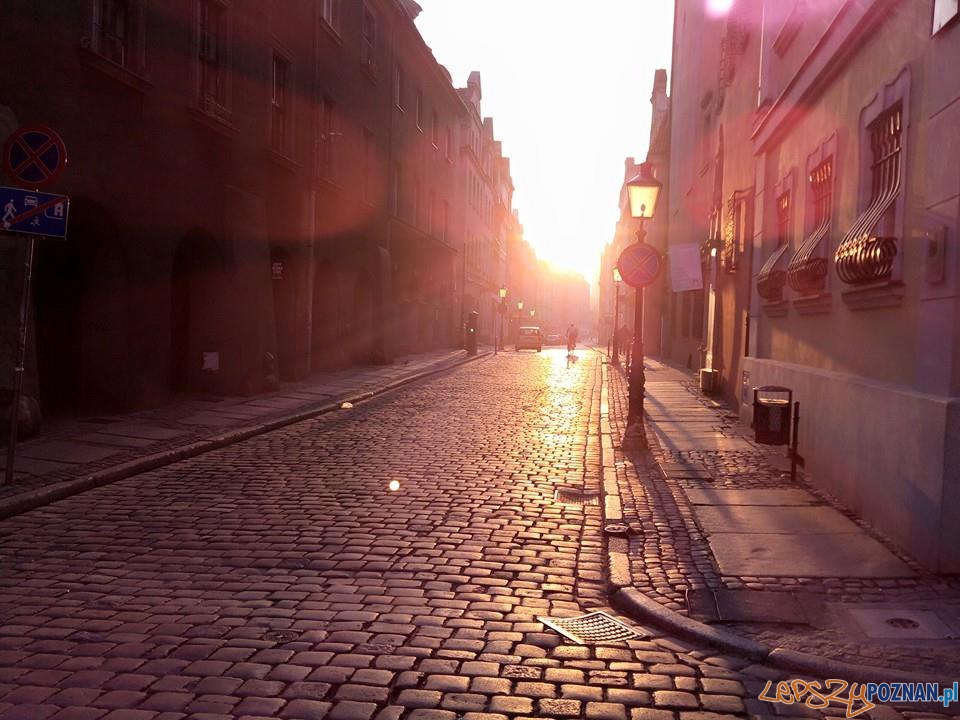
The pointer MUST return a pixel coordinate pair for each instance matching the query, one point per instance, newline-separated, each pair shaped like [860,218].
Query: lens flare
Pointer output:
[717,8]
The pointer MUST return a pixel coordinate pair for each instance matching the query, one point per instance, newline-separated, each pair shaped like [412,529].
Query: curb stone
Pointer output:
[636,605]
[18,504]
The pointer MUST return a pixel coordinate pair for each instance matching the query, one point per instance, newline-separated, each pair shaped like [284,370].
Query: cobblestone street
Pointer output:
[281,577]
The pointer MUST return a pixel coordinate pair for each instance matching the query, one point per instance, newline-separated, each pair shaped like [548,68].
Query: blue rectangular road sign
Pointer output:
[33,213]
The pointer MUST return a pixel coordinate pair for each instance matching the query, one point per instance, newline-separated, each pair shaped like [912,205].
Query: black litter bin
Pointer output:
[771,414]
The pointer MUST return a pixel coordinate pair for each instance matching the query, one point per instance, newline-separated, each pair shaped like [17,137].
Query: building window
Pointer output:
[807,273]
[420,109]
[772,278]
[868,250]
[398,85]
[449,150]
[212,57]
[368,41]
[367,166]
[432,220]
[737,228]
[330,14]
[326,145]
[280,115]
[435,130]
[112,30]
[395,198]
[445,222]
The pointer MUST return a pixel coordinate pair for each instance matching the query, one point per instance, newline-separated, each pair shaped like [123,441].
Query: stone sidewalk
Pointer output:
[716,531]
[72,455]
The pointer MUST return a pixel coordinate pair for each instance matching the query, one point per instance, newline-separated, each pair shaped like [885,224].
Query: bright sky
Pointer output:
[568,85]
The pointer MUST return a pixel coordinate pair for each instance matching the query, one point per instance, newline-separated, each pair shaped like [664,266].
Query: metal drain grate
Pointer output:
[571,496]
[591,629]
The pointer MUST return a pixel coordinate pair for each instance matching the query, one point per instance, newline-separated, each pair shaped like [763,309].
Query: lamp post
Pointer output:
[616,315]
[498,341]
[642,192]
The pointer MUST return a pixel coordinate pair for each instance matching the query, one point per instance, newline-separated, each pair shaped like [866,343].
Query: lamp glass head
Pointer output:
[503,293]
[643,190]
[520,305]
[616,274]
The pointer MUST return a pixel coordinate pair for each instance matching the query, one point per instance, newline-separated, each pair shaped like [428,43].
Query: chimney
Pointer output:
[412,8]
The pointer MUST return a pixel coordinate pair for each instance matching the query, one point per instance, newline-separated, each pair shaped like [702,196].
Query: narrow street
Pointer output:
[280,577]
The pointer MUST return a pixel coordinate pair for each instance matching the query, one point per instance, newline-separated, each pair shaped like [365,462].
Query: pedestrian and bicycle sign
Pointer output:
[34,156]
[639,265]
[33,213]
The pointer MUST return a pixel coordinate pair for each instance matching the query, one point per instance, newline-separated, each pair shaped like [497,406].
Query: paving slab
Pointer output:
[780,496]
[746,606]
[147,432]
[899,623]
[208,419]
[805,555]
[65,452]
[33,466]
[791,520]
[114,440]
[681,443]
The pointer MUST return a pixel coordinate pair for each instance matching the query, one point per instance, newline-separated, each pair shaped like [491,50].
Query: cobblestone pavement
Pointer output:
[281,578]
[68,448]
[670,555]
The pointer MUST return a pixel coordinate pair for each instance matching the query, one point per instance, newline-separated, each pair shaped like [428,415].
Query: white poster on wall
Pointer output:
[686,272]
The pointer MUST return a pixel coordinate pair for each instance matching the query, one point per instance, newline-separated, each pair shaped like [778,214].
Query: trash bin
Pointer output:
[771,414]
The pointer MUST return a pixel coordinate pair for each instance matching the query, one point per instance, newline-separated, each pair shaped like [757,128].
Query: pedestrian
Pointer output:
[571,338]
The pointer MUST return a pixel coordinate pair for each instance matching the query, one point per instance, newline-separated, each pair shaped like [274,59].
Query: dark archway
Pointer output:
[362,325]
[197,277]
[81,302]
[325,349]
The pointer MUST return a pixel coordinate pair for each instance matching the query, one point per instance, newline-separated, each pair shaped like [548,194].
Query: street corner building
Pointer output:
[259,191]
[813,182]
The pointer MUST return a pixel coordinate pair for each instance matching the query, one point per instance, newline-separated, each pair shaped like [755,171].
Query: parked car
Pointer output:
[529,338]
[554,339]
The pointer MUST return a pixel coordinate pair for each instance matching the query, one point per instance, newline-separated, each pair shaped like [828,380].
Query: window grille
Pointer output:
[213,91]
[807,272]
[111,30]
[865,255]
[330,13]
[368,41]
[736,228]
[771,279]
[278,105]
[328,132]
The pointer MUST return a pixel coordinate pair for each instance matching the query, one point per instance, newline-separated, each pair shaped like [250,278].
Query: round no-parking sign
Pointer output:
[34,156]
[639,265]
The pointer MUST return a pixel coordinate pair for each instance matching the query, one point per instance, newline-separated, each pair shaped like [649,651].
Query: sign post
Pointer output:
[33,156]
[639,265]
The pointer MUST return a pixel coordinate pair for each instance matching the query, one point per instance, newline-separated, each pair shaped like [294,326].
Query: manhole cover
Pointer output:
[616,529]
[281,635]
[592,628]
[571,496]
[902,623]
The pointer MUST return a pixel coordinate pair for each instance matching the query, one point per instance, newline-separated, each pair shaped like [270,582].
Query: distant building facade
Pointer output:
[259,190]
[813,161]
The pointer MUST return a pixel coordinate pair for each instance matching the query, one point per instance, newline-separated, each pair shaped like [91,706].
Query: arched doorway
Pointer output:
[196,281]
[361,324]
[81,303]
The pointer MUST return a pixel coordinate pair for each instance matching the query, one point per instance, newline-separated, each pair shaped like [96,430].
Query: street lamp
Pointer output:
[643,190]
[498,341]
[617,279]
